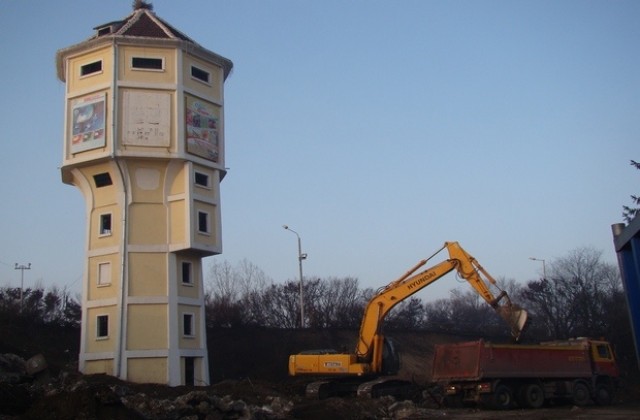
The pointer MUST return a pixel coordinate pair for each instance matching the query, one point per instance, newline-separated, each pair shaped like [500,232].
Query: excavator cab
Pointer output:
[390,358]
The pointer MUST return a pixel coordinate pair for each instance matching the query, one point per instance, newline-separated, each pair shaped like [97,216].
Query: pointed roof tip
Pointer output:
[141,4]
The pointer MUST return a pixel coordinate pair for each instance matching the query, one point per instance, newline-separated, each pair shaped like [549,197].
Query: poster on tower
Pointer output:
[87,123]
[202,125]
[146,118]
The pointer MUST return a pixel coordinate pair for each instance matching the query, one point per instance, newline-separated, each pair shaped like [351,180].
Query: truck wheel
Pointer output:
[581,395]
[533,396]
[502,397]
[453,401]
[604,396]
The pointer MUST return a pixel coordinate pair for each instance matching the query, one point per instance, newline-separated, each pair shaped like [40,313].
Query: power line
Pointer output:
[22,267]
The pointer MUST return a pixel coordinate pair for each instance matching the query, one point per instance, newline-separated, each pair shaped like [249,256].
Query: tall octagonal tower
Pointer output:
[144,143]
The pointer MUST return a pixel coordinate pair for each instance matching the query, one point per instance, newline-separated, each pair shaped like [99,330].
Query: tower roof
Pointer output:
[143,26]
[141,23]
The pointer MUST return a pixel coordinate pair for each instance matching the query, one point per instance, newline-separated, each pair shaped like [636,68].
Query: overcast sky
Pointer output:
[377,130]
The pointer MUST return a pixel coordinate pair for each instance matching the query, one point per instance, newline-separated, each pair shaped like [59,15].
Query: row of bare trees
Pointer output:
[47,307]
[581,296]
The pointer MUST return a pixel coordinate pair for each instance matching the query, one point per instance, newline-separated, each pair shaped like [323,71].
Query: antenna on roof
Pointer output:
[141,4]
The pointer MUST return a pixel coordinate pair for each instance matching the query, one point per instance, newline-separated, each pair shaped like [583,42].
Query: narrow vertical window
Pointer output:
[105,224]
[187,275]
[203,222]
[102,327]
[104,274]
[187,325]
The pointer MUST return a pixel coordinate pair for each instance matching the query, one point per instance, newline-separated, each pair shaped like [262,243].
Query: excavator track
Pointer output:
[335,387]
[380,387]
[361,387]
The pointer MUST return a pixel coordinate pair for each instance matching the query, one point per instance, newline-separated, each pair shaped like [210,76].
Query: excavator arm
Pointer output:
[369,346]
[368,356]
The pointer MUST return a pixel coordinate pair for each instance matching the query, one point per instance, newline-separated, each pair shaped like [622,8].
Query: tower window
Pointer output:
[199,74]
[102,326]
[104,274]
[187,273]
[203,222]
[105,224]
[102,180]
[104,31]
[187,325]
[91,68]
[202,179]
[146,63]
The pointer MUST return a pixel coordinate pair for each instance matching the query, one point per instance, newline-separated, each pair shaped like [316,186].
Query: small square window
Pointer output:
[91,68]
[200,74]
[187,325]
[102,326]
[146,63]
[201,179]
[187,273]
[105,224]
[203,222]
[104,274]
[102,180]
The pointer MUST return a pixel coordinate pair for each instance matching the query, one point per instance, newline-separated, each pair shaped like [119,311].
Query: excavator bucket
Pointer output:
[516,317]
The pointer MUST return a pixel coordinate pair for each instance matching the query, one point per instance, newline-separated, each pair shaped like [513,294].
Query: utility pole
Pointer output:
[22,267]
[544,266]
[301,256]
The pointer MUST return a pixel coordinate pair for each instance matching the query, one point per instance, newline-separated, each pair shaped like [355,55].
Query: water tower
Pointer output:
[144,143]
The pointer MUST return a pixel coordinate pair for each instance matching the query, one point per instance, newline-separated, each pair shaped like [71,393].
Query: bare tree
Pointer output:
[629,213]
[276,307]
[229,290]
[333,303]
[407,315]
[575,299]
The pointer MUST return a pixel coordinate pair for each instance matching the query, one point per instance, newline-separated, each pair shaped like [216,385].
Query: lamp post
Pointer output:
[301,257]
[544,267]
[22,267]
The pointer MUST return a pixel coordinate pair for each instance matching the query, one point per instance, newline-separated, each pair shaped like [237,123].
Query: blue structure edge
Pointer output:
[626,240]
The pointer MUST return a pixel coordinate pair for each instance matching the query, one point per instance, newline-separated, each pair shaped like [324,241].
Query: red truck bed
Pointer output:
[478,360]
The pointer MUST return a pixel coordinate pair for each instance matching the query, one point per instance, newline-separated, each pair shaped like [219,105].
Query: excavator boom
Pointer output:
[371,346]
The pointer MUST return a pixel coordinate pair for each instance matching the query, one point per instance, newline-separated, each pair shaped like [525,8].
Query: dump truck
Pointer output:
[501,376]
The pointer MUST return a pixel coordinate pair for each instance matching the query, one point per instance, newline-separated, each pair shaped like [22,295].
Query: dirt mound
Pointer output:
[249,380]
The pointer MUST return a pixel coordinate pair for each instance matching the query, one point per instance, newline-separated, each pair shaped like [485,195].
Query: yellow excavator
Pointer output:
[375,357]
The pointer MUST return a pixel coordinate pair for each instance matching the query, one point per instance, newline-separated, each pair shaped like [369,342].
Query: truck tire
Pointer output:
[581,395]
[502,397]
[604,395]
[533,396]
[453,401]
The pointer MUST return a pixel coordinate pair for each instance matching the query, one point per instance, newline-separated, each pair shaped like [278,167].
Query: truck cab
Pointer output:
[603,359]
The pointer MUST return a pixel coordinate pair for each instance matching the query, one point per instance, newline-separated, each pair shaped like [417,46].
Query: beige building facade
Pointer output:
[144,143]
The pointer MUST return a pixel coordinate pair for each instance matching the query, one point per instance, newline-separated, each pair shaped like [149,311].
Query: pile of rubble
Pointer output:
[28,391]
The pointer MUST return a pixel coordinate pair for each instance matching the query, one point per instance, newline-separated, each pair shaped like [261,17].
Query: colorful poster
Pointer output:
[202,123]
[87,123]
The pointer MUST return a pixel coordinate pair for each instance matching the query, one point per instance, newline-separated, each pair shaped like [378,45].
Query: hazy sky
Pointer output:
[377,130]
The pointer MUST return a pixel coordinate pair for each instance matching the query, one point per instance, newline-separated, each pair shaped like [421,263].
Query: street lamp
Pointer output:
[22,267]
[544,267]
[301,257]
